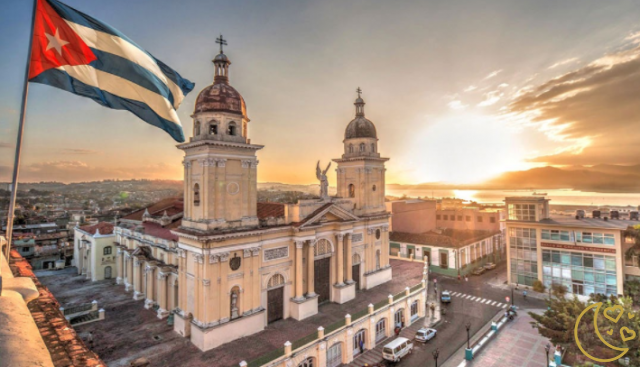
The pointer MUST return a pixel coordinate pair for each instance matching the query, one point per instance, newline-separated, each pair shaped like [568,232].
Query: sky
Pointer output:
[459,91]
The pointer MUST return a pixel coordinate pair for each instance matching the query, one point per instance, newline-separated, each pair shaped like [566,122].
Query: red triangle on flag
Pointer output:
[55,44]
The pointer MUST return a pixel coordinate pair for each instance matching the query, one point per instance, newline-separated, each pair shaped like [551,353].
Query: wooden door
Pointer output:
[356,275]
[322,279]
[275,304]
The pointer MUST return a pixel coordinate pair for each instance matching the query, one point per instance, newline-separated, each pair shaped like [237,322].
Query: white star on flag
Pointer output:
[56,42]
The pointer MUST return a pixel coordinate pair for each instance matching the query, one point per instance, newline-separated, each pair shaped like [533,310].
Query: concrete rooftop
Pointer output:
[129,331]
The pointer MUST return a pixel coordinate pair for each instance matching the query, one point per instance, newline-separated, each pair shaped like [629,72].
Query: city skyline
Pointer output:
[562,94]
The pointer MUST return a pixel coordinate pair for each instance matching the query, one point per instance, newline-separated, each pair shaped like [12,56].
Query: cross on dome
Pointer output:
[359,91]
[221,41]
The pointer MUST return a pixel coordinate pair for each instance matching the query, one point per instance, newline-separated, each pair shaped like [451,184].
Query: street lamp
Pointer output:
[547,348]
[512,297]
[436,353]
[468,326]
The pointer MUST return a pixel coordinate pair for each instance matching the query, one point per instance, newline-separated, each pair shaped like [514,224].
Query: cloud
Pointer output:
[457,105]
[78,151]
[491,98]
[594,110]
[492,74]
[564,62]
[503,85]
[470,88]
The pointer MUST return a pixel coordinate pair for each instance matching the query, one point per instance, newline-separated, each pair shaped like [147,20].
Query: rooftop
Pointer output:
[103,227]
[534,199]
[587,222]
[64,345]
[450,238]
[135,332]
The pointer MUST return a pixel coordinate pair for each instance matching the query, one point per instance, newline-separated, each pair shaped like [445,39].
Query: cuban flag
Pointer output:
[84,56]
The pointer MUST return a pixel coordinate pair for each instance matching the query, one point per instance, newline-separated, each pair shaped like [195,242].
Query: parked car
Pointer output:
[490,266]
[445,297]
[425,334]
[397,349]
[478,271]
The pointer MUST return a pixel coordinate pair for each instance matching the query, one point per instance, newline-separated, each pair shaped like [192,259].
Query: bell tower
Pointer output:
[361,171]
[220,163]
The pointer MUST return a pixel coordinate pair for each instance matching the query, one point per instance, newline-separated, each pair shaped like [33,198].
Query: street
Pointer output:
[476,302]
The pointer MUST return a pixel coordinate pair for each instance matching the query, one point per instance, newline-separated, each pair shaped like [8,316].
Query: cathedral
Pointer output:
[227,265]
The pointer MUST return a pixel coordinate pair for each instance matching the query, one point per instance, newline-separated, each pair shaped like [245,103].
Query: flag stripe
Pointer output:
[132,72]
[62,79]
[124,88]
[108,43]
[74,16]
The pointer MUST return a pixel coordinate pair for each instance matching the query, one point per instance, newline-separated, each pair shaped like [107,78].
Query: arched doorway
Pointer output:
[398,318]
[334,355]
[275,298]
[355,271]
[357,339]
[107,272]
[309,362]
[381,330]
[175,295]
[322,252]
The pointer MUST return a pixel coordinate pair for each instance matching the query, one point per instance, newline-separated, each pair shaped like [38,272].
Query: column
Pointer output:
[340,259]
[225,292]
[128,263]
[149,283]
[298,269]
[119,266]
[349,258]
[162,294]
[220,188]
[137,280]
[257,284]
[311,269]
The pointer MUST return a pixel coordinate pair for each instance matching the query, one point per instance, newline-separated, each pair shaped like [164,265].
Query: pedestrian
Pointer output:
[466,279]
[361,346]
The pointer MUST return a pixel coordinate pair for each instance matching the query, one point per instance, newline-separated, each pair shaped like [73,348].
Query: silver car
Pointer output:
[425,334]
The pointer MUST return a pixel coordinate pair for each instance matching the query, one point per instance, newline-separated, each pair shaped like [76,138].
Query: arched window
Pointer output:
[309,362]
[352,191]
[373,147]
[196,195]
[232,129]
[350,148]
[213,129]
[196,128]
[377,259]
[362,146]
[275,281]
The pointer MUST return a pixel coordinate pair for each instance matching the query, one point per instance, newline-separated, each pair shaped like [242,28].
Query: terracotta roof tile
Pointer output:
[156,230]
[171,205]
[64,345]
[451,238]
[104,227]
[270,210]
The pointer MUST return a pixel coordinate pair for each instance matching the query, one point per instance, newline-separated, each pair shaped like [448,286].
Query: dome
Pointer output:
[220,97]
[221,57]
[360,127]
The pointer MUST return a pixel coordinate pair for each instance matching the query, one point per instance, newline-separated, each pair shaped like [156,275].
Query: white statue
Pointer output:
[324,182]
[234,305]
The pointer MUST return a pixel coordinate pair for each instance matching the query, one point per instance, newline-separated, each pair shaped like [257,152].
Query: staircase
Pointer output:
[374,355]
[85,318]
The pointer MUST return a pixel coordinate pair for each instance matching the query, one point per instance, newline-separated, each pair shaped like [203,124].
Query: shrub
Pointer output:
[539,287]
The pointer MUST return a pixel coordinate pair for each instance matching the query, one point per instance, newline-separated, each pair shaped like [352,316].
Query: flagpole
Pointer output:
[16,164]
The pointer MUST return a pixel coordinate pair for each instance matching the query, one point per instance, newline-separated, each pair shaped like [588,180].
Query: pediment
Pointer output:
[331,213]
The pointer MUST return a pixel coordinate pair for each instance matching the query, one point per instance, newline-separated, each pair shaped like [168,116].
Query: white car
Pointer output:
[397,349]
[425,334]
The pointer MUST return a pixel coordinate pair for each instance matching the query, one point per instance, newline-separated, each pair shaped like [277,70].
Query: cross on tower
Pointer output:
[221,41]
[359,91]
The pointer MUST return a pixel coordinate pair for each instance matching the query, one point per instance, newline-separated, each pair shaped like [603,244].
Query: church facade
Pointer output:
[227,265]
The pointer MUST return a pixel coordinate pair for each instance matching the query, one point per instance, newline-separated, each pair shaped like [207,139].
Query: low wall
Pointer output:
[341,333]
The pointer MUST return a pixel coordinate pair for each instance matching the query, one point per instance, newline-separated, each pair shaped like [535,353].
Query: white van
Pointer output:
[397,349]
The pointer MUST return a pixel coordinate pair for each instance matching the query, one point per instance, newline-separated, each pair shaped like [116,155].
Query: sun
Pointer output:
[464,148]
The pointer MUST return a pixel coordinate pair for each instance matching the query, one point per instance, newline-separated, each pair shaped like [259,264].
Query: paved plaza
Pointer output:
[517,344]
[129,331]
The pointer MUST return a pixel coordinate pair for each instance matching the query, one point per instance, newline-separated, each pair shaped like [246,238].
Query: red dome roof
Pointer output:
[220,97]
